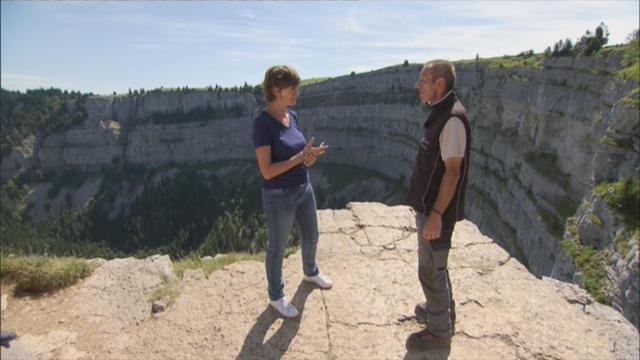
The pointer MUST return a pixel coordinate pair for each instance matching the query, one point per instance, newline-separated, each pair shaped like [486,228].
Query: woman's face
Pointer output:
[289,95]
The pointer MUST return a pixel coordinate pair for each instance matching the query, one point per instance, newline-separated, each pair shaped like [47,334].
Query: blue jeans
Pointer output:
[281,208]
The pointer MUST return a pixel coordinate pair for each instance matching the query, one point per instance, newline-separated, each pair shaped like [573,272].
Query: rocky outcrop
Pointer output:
[113,299]
[22,157]
[545,138]
[598,226]
[128,110]
[224,139]
[369,249]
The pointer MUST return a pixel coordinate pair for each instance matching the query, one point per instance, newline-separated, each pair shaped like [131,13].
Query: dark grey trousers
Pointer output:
[435,282]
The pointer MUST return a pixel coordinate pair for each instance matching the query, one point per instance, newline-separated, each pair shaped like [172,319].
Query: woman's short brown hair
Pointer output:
[279,77]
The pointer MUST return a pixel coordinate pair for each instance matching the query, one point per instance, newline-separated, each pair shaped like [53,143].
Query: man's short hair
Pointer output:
[279,77]
[442,69]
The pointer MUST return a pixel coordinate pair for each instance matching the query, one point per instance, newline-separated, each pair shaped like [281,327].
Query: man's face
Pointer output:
[427,87]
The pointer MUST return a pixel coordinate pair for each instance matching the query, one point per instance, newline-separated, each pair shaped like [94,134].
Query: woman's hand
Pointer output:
[309,160]
[313,153]
[304,154]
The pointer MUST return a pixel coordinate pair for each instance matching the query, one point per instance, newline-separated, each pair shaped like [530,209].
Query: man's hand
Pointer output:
[433,227]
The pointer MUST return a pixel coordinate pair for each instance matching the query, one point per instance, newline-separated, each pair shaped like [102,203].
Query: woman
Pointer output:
[283,155]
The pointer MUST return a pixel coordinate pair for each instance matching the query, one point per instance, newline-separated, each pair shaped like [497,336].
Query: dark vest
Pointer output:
[429,167]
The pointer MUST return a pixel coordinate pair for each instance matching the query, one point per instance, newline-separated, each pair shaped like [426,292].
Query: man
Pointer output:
[437,195]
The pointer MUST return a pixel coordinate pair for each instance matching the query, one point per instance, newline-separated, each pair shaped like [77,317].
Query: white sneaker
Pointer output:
[284,307]
[322,281]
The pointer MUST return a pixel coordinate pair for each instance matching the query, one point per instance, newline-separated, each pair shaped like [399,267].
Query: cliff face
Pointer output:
[120,128]
[540,135]
[542,138]
[225,315]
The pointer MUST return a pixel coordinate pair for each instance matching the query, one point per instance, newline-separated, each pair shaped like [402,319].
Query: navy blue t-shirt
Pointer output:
[285,143]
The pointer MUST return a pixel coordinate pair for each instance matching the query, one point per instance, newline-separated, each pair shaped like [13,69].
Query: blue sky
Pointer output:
[112,46]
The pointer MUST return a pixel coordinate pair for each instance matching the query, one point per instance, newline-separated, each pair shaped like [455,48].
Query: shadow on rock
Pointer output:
[436,354]
[253,346]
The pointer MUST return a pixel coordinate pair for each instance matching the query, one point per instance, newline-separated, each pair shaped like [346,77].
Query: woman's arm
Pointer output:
[270,170]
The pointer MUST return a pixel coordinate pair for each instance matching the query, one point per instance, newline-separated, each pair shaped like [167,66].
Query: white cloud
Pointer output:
[354,24]
[22,82]
[496,27]
[320,39]
[147,46]
[246,13]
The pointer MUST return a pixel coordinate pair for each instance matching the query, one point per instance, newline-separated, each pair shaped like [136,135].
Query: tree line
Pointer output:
[194,212]
[37,112]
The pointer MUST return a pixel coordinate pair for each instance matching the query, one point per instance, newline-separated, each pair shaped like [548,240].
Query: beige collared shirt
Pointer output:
[453,139]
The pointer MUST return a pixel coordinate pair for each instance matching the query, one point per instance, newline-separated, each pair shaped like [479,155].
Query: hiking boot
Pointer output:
[283,307]
[421,315]
[425,340]
[322,281]
[6,338]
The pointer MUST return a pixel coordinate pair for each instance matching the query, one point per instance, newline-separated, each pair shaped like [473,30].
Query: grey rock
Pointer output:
[158,306]
[219,257]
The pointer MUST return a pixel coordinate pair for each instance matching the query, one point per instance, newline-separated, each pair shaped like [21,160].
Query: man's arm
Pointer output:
[433,227]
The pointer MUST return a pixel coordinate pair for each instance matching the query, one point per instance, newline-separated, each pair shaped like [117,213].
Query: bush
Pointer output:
[526,54]
[524,60]
[562,48]
[631,61]
[590,261]
[590,43]
[38,111]
[208,266]
[624,198]
[236,231]
[39,274]
[169,292]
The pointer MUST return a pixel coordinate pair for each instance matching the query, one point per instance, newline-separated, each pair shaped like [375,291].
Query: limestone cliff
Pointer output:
[369,249]
[122,128]
[542,138]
